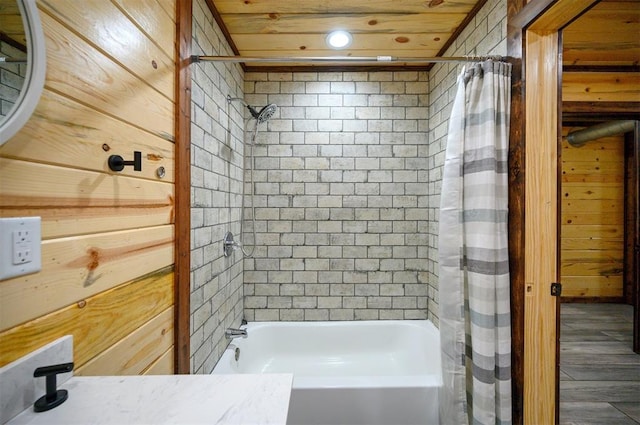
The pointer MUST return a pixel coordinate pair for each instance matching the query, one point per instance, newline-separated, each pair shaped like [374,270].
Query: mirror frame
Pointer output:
[35,75]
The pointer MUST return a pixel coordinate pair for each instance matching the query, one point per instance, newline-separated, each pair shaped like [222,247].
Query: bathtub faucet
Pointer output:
[232,333]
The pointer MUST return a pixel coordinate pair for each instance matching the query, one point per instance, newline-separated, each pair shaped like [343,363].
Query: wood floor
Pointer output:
[599,372]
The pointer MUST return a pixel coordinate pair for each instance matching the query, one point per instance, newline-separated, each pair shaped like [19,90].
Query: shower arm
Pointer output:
[254,113]
[233,99]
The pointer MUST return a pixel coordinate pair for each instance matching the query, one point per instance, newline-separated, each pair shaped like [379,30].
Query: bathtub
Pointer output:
[358,372]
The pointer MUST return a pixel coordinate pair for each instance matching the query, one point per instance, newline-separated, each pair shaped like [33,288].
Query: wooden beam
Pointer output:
[182,257]
[526,12]
[588,113]
[516,208]
[601,68]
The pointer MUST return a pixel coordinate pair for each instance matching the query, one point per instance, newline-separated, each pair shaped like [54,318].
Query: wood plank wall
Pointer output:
[600,74]
[592,222]
[108,238]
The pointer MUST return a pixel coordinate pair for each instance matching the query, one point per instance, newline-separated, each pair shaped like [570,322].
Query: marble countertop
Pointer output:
[170,399]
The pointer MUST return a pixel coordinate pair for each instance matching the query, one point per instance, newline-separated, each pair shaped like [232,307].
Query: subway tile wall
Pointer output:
[347,181]
[11,78]
[217,149]
[341,184]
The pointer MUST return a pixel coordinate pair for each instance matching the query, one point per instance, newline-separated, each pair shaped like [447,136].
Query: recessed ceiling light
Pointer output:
[339,39]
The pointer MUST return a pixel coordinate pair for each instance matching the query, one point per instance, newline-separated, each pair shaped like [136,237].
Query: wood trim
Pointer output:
[600,68]
[560,14]
[559,72]
[183,188]
[528,13]
[629,108]
[630,176]
[519,17]
[632,227]
[541,122]
[587,113]
[517,173]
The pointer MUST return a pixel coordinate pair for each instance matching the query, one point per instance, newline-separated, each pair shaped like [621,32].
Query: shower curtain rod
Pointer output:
[348,59]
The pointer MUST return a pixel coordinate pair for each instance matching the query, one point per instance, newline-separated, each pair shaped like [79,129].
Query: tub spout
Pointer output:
[232,333]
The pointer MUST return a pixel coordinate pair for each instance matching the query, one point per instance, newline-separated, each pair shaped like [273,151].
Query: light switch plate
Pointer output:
[20,242]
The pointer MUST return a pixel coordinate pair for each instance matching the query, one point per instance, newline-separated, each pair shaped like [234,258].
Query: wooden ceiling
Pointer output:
[606,35]
[398,28]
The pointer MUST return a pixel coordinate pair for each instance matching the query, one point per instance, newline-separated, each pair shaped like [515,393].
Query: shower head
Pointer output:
[264,114]
[261,116]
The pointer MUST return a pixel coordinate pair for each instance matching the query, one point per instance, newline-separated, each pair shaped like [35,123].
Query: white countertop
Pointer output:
[170,399]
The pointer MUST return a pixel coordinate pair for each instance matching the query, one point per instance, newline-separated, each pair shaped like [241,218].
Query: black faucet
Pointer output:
[53,397]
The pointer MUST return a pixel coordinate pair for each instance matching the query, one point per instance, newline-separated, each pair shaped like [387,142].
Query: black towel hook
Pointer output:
[116,163]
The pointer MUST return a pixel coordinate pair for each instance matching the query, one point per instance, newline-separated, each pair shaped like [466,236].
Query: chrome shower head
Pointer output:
[264,114]
[261,116]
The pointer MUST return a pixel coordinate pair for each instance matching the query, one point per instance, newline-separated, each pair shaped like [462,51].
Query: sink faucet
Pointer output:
[232,333]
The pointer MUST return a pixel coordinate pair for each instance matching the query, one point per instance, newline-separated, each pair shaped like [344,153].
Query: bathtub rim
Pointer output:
[356,381]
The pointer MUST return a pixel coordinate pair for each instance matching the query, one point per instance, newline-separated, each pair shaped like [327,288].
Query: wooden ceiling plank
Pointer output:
[595,57]
[607,34]
[601,86]
[309,24]
[610,23]
[341,6]
[308,42]
[422,53]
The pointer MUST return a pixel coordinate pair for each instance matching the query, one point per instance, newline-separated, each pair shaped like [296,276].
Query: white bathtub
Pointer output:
[347,373]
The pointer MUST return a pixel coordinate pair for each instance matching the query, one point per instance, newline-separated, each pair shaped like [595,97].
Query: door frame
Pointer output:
[182,201]
[632,228]
[534,48]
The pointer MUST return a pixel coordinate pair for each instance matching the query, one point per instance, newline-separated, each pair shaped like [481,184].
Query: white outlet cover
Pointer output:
[9,227]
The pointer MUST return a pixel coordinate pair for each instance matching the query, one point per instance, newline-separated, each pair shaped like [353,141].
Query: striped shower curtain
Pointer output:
[475,323]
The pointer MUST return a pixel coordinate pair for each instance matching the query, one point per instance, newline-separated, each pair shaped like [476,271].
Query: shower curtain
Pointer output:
[474,297]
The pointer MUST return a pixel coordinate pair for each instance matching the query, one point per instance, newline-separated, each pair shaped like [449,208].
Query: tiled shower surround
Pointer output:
[341,184]
[348,178]
[217,131]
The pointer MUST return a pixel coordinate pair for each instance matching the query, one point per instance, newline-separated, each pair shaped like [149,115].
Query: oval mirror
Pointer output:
[22,64]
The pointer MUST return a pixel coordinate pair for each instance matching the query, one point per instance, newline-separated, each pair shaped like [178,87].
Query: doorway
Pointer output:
[599,374]
[535,46]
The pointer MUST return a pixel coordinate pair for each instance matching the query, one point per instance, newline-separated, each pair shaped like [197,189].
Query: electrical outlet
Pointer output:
[21,247]
[20,242]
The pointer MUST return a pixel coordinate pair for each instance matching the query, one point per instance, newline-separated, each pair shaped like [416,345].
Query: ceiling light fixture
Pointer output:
[339,39]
